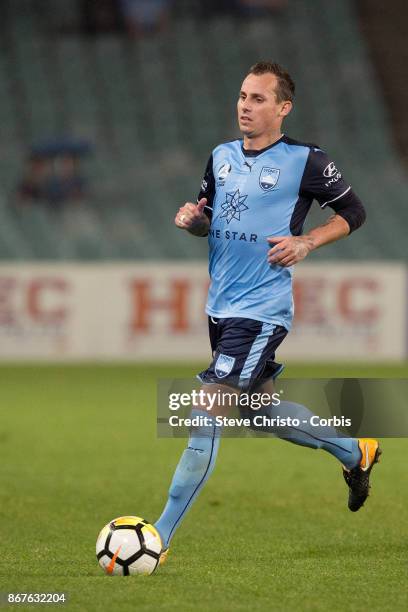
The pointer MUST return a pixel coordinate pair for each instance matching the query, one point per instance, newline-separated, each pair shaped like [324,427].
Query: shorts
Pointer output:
[243,352]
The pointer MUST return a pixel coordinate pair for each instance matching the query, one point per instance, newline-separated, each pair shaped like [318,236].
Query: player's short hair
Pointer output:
[285,89]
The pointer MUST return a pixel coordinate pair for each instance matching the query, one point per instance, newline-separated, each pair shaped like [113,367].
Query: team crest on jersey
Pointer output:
[224,365]
[223,171]
[268,178]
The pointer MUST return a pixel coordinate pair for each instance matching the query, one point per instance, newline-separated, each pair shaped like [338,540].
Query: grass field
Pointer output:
[270,531]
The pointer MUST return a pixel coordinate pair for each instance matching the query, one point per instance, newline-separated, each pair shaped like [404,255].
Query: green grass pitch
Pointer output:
[270,531]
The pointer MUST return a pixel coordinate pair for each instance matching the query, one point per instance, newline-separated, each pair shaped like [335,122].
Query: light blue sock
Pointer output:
[194,468]
[345,449]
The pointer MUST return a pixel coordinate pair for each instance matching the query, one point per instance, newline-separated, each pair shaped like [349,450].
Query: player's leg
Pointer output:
[327,438]
[198,460]
[193,470]
[357,455]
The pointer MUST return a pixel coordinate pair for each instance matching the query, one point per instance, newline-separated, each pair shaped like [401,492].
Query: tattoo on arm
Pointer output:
[329,221]
[334,228]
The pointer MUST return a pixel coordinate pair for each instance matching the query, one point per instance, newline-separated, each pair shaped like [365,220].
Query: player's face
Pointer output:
[258,111]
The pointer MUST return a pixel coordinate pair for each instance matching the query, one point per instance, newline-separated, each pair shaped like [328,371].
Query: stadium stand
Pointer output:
[386,35]
[155,107]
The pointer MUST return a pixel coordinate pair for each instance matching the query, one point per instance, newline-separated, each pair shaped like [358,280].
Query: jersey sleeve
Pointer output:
[322,180]
[207,189]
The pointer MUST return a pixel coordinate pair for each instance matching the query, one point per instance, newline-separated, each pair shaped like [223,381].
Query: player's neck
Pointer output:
[261,142]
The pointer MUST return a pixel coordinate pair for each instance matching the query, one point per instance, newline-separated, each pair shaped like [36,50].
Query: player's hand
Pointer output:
[191,216]
[288,250]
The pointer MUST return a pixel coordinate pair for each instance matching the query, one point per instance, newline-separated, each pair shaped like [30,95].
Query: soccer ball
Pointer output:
[128,545]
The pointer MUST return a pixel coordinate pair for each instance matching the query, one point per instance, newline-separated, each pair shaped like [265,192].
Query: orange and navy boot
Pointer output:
[358,478]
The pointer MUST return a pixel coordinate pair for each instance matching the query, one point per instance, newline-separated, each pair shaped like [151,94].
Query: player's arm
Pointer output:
[289,250]
[323,182]
[196,218]
[349,215]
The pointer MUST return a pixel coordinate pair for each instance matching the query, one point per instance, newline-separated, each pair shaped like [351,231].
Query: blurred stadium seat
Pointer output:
[155,107]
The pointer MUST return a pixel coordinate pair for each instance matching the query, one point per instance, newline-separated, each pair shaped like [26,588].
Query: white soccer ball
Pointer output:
[128,545]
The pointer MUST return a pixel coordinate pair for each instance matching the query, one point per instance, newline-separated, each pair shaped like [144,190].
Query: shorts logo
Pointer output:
[224,365]
[268,178]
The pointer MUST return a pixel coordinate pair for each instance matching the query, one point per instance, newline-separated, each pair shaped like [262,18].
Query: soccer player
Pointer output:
[254,198]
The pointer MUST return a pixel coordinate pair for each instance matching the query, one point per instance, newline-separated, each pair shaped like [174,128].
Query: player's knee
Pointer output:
[249,414]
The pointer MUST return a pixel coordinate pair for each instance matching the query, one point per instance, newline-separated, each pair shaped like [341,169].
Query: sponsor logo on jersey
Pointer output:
[268,178]
[332,174]
[223,171]
[330,170]
[233,206]
[230,235]
[224,365]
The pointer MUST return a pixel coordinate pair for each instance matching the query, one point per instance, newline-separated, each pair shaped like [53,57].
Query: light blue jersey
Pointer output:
[252,196]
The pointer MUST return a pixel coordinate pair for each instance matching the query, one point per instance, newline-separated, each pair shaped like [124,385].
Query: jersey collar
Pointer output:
[255,153]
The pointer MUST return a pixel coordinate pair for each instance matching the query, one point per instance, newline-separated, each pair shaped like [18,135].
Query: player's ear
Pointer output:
[286,107]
